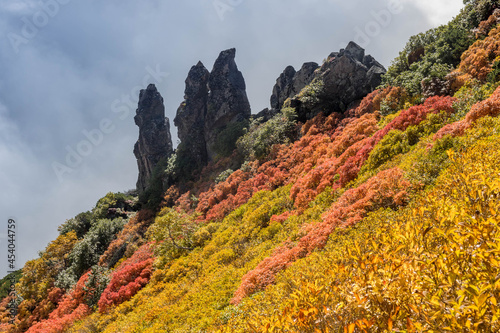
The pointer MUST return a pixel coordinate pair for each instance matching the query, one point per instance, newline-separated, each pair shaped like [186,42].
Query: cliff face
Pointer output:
[154,141]
[227,100]
[290,83]
[350,75]
[212,101]
[190,118]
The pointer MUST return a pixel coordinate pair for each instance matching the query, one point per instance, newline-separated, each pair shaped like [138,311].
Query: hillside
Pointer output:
[363,200]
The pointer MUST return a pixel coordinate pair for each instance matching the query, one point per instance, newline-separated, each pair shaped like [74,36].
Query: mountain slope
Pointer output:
[378,216]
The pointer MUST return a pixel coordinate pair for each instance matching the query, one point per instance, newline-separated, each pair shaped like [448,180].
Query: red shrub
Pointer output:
[345,155]
[488,107]
[71,308]
[330,153]
[131,276]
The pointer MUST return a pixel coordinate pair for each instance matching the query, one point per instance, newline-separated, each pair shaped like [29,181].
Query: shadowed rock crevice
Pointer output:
[290,83]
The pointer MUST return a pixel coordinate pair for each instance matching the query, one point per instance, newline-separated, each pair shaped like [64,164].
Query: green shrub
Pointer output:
[94,286]
[443,47]
[397,142]
[87,251]
[111,200]
[471,93]
[257,142]
[80,224]
[310,94]
[223,176]
[175,234]
[7,281]
[225,143]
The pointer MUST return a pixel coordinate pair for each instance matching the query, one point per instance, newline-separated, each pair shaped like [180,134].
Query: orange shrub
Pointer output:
[387,189]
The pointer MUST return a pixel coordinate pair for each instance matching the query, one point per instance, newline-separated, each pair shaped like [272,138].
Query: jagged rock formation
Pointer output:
[227,100]
[190,117]
[154,141]
[283,88]
[212,101]
[346,77]
[216,101]
[290,83]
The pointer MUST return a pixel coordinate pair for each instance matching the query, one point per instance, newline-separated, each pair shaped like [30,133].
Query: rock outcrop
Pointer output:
[290,83]
[154,141]
[345,78]
[190,117]
[212,102]
[216,106]
[283,88]
[227,99]
[350,76]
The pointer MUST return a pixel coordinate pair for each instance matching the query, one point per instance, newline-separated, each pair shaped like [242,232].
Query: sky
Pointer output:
[71,71]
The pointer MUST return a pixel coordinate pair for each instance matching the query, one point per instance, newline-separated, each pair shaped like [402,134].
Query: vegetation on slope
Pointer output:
[385,218]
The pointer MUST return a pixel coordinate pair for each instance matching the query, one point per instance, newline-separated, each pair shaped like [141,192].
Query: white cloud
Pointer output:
[438,12]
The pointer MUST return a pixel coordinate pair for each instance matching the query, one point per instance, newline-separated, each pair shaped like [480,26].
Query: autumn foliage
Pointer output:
[128,278]
[477,62]
[131,235]
[71,308]
[387,189]
[381,218]
[488,107]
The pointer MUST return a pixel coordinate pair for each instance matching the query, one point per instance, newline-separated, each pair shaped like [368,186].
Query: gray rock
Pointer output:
[355,51]
[227,99]
[212,101]
[303,77]
[290,83]
[346,77]
[265,115]
[283,88]
[154,141]
[190,117]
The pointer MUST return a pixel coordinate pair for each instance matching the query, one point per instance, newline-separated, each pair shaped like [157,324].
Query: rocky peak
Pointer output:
[345,78]
[190,117]
[227,99]
[354,51]
[291,83]
[150,107]
[283,88]
[197,82]
[191,113]
[154,141]
[212,101]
